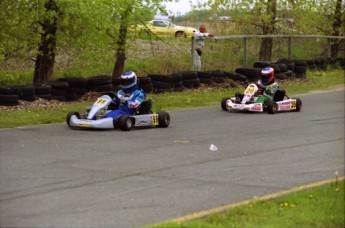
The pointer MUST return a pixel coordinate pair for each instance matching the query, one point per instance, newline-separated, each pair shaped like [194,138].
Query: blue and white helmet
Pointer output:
[128,80]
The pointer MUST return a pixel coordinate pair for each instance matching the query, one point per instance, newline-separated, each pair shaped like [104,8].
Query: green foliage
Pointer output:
[316,207]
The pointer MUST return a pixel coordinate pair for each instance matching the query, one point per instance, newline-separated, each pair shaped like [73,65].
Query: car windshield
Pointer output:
[163,24]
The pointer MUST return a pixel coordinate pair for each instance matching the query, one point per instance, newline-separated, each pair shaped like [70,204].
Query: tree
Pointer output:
[45,59]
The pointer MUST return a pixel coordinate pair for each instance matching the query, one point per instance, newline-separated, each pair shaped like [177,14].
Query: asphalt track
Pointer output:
[52,176]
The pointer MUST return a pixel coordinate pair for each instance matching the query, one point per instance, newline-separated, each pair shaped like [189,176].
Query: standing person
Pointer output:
[199,37]
[129,97]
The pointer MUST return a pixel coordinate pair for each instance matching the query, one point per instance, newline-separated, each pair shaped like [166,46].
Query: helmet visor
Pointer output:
[127,81]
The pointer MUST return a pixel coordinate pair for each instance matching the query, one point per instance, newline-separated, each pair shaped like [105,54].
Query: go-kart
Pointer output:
[246,102]
[94,117]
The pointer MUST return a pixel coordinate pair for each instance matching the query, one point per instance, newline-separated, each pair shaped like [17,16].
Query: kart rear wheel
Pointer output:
[271,107]
[69,115]
[223,103]
[125,123]
[298,104]
[163,119]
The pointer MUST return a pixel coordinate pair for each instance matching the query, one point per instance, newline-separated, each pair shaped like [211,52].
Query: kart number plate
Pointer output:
[100,101]
[249,90]
[293,105]
[155,119]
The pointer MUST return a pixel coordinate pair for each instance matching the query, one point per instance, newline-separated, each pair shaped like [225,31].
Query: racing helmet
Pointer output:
[128,81]
[267,76]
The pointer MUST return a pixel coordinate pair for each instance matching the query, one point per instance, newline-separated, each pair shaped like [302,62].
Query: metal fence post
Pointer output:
[192,52]
[289,48]
[245,43]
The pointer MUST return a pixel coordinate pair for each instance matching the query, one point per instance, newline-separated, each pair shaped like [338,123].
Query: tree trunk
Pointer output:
[120,52]
[45,59]
[337,24]
[121,43]
[265,53]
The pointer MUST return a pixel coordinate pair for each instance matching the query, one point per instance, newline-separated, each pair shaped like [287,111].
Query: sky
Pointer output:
[183,6]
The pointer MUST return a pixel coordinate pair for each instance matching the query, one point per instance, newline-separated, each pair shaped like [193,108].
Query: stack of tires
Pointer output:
[301,68]
[253,74]
[177,82]
[78,86]
[25,92]
[100,83]
[205,77]
[235,76]
[58,89]
[217,76]
[8,97]
[287,67]
[43,91]
[161,83]
[145,83]
[190,79]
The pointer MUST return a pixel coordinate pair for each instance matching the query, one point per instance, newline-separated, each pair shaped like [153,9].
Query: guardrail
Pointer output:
[247,37]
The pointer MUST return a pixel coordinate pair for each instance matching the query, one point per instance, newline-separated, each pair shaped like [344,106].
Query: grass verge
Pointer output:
[170,101]
[321,206]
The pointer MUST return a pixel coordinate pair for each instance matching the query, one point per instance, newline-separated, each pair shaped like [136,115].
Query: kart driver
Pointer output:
[128,98]
[267,85]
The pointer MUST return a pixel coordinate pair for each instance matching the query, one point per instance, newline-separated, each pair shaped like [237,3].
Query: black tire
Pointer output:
[9,99]
[6,91]
[230,75]
[125,123]
[99,80]
[191,83]
[75,81]
[163,119]
[280,76]
[69,115]
[147,88]
[298,104]
[43,90]
[271,107]
[223,103]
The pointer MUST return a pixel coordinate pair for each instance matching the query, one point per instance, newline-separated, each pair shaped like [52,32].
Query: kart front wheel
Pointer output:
[223,103]
[125,123]
[69,115]
[163,119]
[271,107]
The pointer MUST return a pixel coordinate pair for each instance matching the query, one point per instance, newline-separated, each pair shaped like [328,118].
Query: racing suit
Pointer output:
[127,102]
[267,92]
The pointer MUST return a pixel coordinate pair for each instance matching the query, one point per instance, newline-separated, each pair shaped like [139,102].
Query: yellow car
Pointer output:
[166,28]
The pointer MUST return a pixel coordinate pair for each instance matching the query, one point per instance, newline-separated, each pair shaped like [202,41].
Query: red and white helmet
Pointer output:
[267,76]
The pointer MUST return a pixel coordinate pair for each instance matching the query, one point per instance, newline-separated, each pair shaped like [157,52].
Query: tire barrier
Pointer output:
[252,74]
[145,83]
[100,83]
[78,86]
[58,89]
[72,88]
[8,97]
[161,83]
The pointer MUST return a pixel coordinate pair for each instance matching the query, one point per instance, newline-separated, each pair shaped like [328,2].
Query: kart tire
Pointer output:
[163,119]
[125,123]
[271,107]
[298,104]
[69,115]
[223,103]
